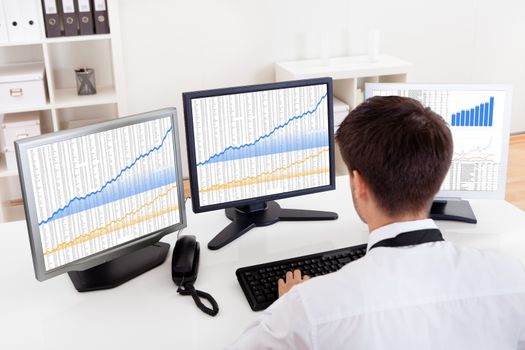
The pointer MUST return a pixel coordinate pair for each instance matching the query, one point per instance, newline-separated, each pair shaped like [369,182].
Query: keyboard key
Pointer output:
[344,260]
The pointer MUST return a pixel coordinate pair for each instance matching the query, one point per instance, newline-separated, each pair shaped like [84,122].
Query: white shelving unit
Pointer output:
[350,75]
[61,56]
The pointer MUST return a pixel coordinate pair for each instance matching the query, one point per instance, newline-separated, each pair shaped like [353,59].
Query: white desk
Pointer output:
[147,313]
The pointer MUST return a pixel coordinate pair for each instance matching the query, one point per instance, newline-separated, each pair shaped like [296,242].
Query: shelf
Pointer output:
[341,68]
[25,109]
[24,43]
[61,39]
[64,108]
[77,38]
[68,98]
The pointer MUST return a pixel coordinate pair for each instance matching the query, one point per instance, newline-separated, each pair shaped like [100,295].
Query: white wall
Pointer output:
[172,46]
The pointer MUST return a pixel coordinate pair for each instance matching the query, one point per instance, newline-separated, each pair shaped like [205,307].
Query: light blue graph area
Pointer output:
[230,150]
[76,201]
[480,115]
[276,144]
[129,184]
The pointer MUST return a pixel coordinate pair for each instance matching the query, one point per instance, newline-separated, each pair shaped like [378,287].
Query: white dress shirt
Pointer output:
[429,296]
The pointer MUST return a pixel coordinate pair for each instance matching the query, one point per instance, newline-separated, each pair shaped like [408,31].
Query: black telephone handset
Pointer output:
[185,263]
[184,269]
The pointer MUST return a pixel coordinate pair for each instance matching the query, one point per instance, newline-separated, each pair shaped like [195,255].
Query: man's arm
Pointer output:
[284,325]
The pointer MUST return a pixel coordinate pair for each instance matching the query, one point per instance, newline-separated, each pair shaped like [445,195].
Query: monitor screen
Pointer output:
[90,192]
[479,118]
[259,142]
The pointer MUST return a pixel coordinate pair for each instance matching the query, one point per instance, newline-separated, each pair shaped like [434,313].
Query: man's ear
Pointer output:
[359,185]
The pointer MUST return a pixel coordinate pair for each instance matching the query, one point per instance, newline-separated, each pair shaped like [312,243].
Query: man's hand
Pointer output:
[291,280]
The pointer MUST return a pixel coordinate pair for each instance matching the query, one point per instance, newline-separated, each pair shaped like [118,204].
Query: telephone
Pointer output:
[184,269]
[185,262]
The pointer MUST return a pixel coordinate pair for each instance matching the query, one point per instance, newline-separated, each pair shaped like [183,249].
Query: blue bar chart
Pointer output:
[476,118]
[480,115]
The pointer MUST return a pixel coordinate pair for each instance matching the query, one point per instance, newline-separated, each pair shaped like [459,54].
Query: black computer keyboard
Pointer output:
[259,282]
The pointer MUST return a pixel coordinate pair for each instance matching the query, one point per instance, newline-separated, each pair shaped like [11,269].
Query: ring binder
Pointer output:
[51,18]
[101,17]
[69,17]
[4,38]
[85,17]
[21,19]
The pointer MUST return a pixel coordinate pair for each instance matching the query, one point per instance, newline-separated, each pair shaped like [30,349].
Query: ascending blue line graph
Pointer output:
[130,184]
[120,173]
[265,136]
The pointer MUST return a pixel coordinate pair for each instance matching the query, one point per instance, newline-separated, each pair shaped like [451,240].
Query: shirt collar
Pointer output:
[392,230]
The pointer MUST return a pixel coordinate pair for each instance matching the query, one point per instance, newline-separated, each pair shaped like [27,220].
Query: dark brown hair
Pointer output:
[401,149]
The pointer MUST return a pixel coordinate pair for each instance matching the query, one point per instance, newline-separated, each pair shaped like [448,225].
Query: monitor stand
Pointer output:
[453,210]
[246,217]
[115,272]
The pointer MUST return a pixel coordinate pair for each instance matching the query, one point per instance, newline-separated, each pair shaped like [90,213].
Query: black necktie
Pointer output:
[411,238]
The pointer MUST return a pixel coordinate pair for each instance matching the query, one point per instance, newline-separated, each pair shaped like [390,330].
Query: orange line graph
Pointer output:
[271,178]
[474,158]
[118,224]
[268,176]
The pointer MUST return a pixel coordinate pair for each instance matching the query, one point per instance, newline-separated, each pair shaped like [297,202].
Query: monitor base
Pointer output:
[246,217]
[115,272]
[453,210]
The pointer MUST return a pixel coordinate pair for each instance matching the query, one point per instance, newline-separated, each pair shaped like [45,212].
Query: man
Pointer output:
[412,289]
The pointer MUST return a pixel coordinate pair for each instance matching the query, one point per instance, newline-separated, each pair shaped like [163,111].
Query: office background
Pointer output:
[159,49]
[170,46]
[174,46]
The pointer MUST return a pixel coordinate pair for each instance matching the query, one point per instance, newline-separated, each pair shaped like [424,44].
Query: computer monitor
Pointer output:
[98,198]
[479,118]
[248,146]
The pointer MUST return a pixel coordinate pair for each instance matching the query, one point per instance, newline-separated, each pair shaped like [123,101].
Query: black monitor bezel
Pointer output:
[190,141]
[21,147]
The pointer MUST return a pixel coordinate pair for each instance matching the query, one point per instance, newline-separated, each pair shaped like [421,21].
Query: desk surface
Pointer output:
[147,312]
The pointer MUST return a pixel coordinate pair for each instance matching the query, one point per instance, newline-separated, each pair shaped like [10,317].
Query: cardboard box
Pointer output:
[22,85]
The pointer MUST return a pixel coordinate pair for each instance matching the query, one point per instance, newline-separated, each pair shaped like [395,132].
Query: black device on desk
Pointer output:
[113,190]
[259,282]
[184,270]
[250,145]
[479,119]
[185,262]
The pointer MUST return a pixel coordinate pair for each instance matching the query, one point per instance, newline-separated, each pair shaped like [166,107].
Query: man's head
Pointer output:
[399,151]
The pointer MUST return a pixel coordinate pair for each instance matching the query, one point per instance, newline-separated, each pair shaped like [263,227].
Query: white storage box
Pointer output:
[22,85]
[341,110]
[10,160]
[14,127]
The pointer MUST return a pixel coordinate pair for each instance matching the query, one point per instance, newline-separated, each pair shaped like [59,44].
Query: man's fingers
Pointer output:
[289,276]
[290,280]
[281,287]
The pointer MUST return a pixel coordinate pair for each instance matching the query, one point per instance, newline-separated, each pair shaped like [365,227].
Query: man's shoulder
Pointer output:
[387,277]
